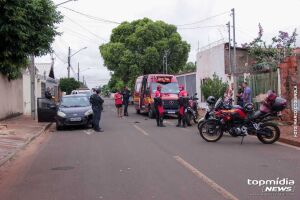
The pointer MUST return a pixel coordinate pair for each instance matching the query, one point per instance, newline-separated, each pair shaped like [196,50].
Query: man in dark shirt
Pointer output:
[126,95]
[48,94]
[97,106]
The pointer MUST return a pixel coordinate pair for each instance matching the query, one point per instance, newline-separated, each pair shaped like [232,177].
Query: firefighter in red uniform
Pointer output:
[182,98]
[159,110]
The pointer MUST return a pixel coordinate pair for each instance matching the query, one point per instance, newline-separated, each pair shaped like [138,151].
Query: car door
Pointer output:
[46,110]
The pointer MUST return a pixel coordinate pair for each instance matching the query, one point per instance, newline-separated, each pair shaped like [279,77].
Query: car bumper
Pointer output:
[69,121]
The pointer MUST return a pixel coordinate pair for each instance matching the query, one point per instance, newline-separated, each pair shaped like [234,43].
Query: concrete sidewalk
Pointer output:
[287,135]
[16,133]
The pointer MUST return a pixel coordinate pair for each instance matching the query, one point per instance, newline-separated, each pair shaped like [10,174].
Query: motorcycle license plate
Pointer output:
[171,111]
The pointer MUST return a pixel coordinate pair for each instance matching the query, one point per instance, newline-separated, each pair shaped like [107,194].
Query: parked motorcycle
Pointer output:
[227,105]
[191,111]
[241,121]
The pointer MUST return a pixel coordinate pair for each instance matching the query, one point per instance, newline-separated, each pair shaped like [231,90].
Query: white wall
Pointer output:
[27,92]
[11,100]
[210,61]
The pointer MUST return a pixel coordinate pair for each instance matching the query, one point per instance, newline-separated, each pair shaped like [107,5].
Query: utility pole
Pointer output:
[83,79]
[32,89]
[166,59]
[234,54]
[229,48]
[69,61]
[78,72]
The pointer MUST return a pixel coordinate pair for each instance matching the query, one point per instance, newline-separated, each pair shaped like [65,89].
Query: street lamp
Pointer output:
[69,58]
[78,51]
[64,2]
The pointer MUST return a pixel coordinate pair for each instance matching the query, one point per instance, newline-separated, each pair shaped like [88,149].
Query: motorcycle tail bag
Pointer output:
[279,104]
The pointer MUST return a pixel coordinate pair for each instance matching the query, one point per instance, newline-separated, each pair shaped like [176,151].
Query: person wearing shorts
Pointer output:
[119,103]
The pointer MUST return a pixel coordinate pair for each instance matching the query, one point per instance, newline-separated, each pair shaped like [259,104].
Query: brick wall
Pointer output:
[289,77]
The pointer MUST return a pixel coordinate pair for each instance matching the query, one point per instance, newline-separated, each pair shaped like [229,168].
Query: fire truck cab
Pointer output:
[145,87]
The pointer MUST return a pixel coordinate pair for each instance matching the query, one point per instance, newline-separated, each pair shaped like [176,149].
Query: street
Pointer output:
[134,160]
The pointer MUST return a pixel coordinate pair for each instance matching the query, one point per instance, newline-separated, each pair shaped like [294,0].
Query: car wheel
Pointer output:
[151,114]
[58,127]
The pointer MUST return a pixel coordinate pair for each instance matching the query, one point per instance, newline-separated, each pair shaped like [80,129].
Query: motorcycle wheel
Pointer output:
[272,129]
[188,117]
[201,121]
[210,131]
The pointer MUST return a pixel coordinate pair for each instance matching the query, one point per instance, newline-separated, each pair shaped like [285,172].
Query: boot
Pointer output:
[157,121]
[179,122]
[161,122]
[184,123]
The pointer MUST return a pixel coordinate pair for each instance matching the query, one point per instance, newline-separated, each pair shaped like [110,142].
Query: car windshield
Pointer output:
[75,101]
[171,88]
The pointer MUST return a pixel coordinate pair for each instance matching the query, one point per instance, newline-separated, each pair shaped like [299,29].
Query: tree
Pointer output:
[27,27]
[105,90]
[270,54]
[68,84]
[189,67]
[115,83]
[213,87]
[138,48]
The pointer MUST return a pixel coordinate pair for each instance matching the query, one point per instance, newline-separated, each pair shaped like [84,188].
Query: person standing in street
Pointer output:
[97,106]
[118,103]
[247,94]
[181,98]
[159,109]
[126,95]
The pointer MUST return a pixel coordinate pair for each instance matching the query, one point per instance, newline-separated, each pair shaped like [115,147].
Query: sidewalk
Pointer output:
[287,135]
[19,132]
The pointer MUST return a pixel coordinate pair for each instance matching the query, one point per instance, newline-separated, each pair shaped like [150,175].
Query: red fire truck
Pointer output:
[145,87]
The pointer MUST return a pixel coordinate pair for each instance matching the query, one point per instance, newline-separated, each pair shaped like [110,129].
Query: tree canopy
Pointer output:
[138,47]
[213,87]
[27,27]
[68,84]
[273,53]
[189,67]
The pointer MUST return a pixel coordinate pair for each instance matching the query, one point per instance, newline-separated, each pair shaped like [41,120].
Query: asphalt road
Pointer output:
[135,160]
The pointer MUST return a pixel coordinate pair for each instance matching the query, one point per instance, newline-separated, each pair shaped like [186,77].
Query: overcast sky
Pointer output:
[79,31]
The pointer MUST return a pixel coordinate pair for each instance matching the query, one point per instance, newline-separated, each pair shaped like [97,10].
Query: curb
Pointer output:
[290,142]
[10,156]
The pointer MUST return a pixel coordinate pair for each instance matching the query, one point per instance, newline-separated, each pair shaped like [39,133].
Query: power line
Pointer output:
[95,35]
[59,57]
[199,27]
[81,36]
[92,17]
[205,19]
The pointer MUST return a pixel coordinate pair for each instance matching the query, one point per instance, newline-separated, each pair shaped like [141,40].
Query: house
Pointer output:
[218,59]
[42,82]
